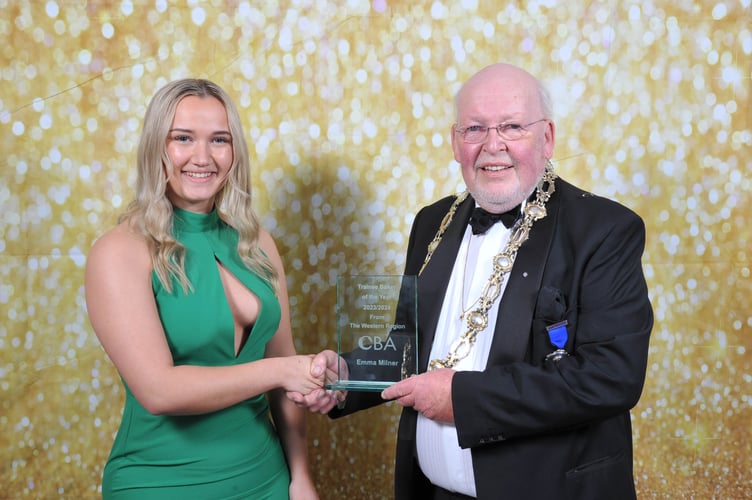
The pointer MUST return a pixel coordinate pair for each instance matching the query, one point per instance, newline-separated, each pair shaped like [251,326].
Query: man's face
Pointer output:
[500,173]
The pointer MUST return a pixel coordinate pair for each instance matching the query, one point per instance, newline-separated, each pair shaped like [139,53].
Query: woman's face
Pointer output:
[199,145]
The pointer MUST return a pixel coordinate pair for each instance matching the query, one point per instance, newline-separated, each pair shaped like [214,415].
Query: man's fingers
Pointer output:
[400,389]
[295,397]
[395,391]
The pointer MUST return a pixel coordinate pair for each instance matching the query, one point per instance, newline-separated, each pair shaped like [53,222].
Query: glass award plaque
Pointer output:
[377,334]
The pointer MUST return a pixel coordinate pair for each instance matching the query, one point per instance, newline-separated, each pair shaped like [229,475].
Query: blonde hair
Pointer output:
[151,212]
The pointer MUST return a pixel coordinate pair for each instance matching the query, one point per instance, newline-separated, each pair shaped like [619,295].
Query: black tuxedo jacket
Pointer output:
[540,429]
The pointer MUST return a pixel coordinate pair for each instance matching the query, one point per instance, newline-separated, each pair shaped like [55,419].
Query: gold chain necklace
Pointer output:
[464,310]
[503,262]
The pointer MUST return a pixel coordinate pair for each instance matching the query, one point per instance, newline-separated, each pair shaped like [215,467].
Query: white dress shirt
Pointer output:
[440,457]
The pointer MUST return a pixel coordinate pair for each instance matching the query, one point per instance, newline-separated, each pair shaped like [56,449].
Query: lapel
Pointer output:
[513,324]
[434,280]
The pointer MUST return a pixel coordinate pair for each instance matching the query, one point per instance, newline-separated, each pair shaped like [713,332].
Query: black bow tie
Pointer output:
[481,220]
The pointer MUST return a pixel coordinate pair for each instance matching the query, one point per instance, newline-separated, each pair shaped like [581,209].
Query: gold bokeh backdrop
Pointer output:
[347,107]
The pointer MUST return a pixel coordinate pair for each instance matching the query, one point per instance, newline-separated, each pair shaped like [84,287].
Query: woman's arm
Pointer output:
[288,418]
[290,423]
[123,313]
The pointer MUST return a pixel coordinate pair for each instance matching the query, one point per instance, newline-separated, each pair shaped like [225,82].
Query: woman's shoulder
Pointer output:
[267,244]
[121,245]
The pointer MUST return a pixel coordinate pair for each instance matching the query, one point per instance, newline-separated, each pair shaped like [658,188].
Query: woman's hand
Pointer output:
[302,488]
[298,376]
[332,367]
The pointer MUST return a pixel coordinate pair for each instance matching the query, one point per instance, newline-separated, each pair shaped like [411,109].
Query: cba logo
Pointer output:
[376,343]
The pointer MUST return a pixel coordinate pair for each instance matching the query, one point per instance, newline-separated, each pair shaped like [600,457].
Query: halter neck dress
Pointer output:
[232,453]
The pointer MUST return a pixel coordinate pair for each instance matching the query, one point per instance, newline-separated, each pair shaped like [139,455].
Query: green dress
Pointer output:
[232,453]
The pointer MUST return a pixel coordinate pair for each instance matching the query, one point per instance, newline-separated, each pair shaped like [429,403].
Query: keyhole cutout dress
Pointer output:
[228,454]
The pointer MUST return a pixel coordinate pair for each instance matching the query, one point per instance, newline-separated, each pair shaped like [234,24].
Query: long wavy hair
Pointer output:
[151,212]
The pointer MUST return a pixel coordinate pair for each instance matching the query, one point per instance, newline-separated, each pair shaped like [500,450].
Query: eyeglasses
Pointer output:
[475,134]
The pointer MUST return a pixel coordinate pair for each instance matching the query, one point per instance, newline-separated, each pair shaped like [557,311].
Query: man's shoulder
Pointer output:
[441,205]
[438,209]
[573,197]
[431,217]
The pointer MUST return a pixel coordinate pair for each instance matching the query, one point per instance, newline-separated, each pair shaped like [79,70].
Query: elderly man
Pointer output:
[534,347]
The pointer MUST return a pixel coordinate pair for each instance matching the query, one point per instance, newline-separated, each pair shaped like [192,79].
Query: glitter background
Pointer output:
[348,106]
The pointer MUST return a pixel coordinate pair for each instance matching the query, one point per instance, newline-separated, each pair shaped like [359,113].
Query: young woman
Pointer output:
[187,296]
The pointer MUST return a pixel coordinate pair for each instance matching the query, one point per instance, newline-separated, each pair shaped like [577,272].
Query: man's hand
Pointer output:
[323,400]
[429,393]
